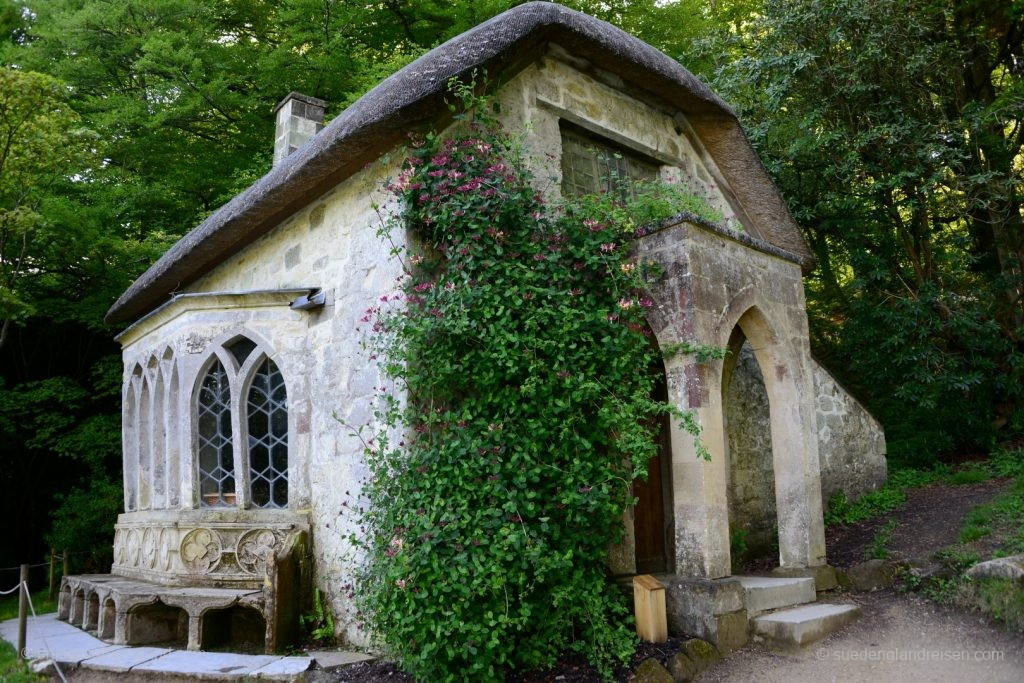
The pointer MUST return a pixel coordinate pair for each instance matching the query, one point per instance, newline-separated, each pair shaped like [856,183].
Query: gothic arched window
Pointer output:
[242,417]
[216,452]
[267,419]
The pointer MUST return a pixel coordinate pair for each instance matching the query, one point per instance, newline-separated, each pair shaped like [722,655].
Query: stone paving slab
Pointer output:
[46,624]
[50,638]
[125,658]
[285,666]
[206,664]
[66,647]
[331,658]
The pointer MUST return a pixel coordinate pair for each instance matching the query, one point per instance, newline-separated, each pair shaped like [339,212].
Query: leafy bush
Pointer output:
[83,520]
[501,480]
[972,473]
[643,203]
[1007,463]
[878,549]
[318,624]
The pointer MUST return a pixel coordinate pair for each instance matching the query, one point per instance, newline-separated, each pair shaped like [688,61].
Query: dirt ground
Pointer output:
[930,519]
[900,638]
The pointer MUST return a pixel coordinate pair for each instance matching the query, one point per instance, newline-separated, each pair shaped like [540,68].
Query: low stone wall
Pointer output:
[851,443]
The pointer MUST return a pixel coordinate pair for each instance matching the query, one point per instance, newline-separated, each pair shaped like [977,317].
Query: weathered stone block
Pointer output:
[650,671]
[711,609]
[682,668]
[872,575]
[703,654]
[1011,568]
[825,577]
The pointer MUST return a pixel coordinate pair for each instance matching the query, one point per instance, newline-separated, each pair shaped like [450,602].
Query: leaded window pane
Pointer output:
[216,457]
[241,348]
[268,438]
[593,166]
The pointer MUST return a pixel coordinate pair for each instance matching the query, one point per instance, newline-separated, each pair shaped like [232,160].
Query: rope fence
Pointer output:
[25,605]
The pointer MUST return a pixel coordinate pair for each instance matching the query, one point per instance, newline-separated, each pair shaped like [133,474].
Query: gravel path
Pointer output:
[894,630]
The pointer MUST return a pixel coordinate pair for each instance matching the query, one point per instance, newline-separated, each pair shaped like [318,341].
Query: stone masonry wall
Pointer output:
[851,443]
[751,472]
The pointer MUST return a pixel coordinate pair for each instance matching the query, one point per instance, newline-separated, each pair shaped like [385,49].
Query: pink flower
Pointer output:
[608,247]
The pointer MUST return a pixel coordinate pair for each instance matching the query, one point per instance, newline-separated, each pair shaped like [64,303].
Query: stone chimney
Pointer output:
[299,117]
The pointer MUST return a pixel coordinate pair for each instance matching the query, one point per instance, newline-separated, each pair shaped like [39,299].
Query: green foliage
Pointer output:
[738,548]
[643,203]
[82,519]
[12,670]
[701,352]
[40,600]
[1007,463]
[41,142]
[502,477]
[973,473]
[889,128]
[1003,517]
[878,549]
[1001,598]
[318,623]
[874,503]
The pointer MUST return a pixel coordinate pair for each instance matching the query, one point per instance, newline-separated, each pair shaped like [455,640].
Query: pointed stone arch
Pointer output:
[130,438]
[145,444]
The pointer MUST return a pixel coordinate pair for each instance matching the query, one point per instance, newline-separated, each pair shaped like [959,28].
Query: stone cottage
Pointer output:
[242,359]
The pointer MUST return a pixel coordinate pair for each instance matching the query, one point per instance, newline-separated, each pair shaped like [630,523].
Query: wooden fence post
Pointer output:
[53,573]
[22,611]
[67,564]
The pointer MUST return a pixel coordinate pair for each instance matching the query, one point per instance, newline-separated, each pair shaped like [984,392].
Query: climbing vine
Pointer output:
[523,375]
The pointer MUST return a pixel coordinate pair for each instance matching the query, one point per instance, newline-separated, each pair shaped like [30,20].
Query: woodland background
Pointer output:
[893,128]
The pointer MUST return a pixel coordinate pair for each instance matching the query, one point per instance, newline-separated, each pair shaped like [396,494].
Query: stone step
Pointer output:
[795,627]
[764,593]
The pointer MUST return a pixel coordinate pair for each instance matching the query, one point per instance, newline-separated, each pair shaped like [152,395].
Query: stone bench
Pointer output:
[130,612]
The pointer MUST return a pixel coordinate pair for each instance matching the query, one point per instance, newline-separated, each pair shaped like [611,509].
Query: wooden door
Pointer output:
[649,519]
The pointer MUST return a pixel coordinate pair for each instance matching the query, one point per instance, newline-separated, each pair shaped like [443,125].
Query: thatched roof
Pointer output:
[413,96]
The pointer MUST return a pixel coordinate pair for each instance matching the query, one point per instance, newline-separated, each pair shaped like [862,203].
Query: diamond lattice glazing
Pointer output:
[268,438]
[216,457]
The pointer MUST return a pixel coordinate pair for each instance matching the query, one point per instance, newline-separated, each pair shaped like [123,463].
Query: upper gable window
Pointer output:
[592,165]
